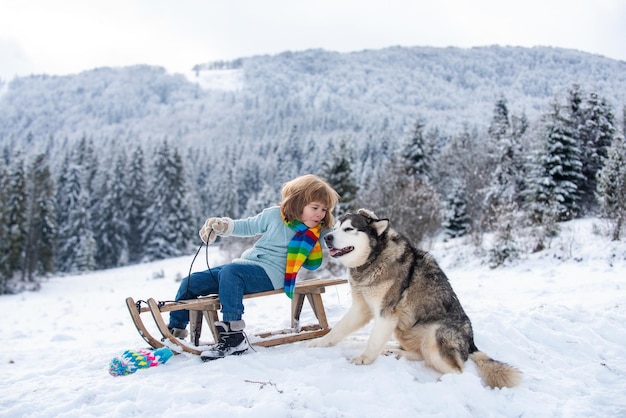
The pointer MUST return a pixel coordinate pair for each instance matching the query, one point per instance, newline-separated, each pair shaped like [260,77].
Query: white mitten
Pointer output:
[207,235]
[223,226]
[214,227]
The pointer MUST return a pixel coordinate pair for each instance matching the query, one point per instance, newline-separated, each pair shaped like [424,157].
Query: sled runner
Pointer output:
[135,309]
[162,326]
[208,307]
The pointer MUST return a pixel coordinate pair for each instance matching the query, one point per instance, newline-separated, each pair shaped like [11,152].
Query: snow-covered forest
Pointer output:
[117,166]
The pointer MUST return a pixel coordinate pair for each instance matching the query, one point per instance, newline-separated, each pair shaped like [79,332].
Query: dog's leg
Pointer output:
[441,350]
[357,316]
[381,333]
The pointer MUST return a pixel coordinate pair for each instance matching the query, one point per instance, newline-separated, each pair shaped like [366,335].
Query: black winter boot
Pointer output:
[232,341]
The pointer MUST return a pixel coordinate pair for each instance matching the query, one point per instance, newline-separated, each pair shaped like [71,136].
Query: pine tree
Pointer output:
[416,155]
[41,221]
[4,227]
[112,226]
[68,191]
[611,183]
[166,229]
[62,199]
[310,164]
[539,195]
[136,196]
[337,171]
[560,170]
[226,194]
[85,155]
[48,227]
[505,248]
[507,178]
[83,256]
[457,222]
[76,243]
[540,204]
[465,158]
[507,183]
[198,172]
[155,229]
[16,211]
[182,216]
[575,109]
[250,185]
[294,150]
[595,136]
[500,123]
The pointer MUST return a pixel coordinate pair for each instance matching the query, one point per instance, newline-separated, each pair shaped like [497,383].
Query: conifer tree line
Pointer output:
[103,205]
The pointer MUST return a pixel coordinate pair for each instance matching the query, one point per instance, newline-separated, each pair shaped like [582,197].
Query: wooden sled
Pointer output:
[208,306]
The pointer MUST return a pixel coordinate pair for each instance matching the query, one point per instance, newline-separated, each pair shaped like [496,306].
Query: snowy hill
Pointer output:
[558,316]
[326,95]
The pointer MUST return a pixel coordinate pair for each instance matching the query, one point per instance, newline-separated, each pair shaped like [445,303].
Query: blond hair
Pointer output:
[301,191]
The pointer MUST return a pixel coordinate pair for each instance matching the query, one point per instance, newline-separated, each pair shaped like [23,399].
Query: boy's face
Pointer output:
[313,214]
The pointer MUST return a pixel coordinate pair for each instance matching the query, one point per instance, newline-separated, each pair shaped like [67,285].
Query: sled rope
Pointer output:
[206,257]
[161,303]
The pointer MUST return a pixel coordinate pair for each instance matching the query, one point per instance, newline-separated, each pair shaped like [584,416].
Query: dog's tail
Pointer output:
[495,373]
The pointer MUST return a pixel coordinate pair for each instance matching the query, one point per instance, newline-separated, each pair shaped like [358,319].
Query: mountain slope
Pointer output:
[325,94]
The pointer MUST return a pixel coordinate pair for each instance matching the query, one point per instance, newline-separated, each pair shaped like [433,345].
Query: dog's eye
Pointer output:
[348,229]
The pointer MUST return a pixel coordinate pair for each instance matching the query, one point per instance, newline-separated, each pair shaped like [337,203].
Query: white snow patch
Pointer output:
[227,80]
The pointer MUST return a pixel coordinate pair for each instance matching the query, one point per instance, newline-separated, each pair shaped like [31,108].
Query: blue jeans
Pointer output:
[230,282]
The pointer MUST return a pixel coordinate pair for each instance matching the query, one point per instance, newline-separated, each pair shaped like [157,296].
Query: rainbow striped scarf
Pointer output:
[304,250]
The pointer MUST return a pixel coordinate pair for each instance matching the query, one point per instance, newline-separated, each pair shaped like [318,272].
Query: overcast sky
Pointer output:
[70,36]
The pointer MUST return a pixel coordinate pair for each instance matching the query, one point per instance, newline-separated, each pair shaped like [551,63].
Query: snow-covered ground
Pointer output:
[559,316]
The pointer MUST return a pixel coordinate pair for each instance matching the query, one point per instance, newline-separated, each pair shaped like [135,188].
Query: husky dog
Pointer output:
[407,294]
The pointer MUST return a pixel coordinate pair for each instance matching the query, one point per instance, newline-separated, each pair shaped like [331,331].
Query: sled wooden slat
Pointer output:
[135,311]
[208,307]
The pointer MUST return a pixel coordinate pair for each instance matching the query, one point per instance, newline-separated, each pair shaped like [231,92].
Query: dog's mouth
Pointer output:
[338,252]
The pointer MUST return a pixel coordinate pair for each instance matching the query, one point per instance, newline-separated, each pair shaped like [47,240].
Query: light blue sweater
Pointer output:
[270,251]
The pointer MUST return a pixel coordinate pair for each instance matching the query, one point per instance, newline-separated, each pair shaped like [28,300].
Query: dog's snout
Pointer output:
[328,238]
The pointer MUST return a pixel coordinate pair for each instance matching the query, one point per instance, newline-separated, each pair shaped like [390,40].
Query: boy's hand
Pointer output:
[207,235]
[214,227]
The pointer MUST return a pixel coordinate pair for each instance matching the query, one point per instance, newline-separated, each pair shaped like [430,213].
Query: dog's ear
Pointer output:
[380,225]
[367,213]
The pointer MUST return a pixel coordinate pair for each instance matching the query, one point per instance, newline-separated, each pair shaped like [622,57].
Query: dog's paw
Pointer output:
[362,360]
[399,353]
[321,342]
[392,352]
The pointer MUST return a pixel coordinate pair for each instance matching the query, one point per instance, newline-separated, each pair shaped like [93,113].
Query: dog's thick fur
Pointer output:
[407,294]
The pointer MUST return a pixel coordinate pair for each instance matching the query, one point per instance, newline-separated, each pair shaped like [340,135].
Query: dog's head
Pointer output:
[354,238]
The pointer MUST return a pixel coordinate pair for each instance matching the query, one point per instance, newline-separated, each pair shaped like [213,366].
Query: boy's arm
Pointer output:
[255,225]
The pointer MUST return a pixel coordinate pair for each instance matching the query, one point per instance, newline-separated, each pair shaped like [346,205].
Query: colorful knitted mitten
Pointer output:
[133,360]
